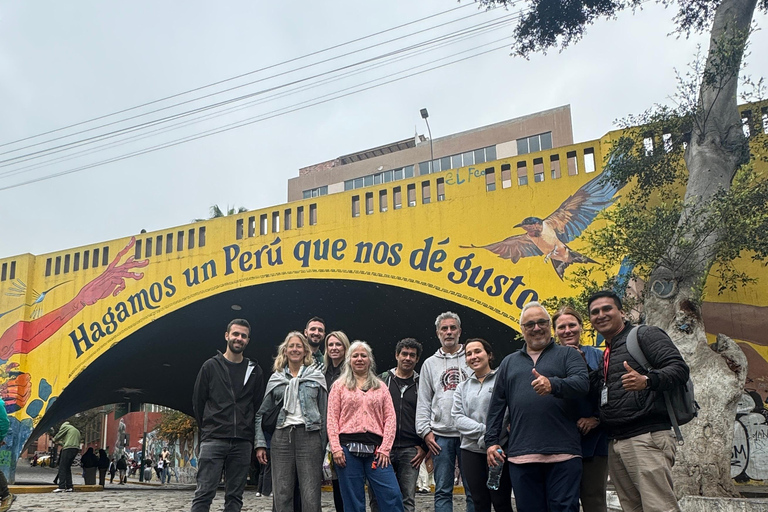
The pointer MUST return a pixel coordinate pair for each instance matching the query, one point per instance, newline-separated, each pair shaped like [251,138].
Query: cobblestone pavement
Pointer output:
[136,497]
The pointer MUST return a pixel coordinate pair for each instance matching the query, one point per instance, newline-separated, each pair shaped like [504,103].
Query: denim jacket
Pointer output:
[314,404]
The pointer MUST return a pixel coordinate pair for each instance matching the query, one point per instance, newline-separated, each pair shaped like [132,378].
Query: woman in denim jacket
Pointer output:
[298,387]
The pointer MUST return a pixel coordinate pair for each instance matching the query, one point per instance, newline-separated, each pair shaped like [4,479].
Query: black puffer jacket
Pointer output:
[631,413]
[220,414]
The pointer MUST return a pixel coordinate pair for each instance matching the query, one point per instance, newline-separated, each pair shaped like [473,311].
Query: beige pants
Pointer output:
[641,471]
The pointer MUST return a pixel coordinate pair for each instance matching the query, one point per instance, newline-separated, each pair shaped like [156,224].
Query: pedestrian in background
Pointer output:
[69,439]
[122,467]
[103,466]
[336,346]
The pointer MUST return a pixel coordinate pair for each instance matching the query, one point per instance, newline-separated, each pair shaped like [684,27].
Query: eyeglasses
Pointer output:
[528,326]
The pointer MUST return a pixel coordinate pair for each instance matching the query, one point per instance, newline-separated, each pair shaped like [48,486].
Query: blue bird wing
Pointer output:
[579,210]
[513,248]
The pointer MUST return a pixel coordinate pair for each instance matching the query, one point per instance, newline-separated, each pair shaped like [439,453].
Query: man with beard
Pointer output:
[227,394]
[315,334]
[538,385]
[440,374]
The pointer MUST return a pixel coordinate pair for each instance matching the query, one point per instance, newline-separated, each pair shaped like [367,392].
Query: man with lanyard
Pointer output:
[641,450]
[440,374]
[408,450]
[228,392]
[539,385]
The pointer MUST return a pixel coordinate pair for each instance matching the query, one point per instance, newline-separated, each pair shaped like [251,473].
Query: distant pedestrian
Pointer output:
[103,466]
[69,439]
[122,466]
[90,464]
[112,470]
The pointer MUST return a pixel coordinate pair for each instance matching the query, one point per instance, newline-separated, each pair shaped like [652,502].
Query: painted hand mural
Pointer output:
[25,336]
[549,237]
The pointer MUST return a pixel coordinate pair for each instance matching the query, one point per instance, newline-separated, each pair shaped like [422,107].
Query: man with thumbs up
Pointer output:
[641,451]
[538,385]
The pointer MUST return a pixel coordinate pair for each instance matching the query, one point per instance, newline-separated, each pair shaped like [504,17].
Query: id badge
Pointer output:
[604,395]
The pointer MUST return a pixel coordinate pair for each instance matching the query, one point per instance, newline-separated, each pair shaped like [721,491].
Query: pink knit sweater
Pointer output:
[353,412]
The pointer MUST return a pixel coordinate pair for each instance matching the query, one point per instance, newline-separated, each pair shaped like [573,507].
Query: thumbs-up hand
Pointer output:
[541,384]
[633,381]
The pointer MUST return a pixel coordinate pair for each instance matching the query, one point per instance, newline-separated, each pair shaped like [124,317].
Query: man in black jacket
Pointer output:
[228,392]
[641,451]
[408,450]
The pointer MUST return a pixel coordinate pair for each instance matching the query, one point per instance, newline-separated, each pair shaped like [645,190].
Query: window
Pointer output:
[319,191]
[533,144]
[66,263]
[397,198]
[105,256]
[86,259]
[490,179]
[159,245]
[57,270]
[388,176]
[573,166]
[490,153]
[456,162]
[479,156]
[368,180]
[745,123]
[538,170]
[764,112]
[169,243]
[382,200]
[589,160]
[359,182]
[445,163]
[263,224]
[468,158]
[95,262]
[275,222]
[411,194]
[136,253]
[554,166]
[239,229]
[423,168]
[300,217]
[48,264]
[201,237]
[312,214]
[522,173]
[179,241]
[355,206]
[287,219]
[441,189]
[349,185]
[398,174]
[369,203]
[147,248]
[251,226]
[506,175]
[666,140]
[75,263]
[648,145]
[546,140]
[426,192]
[191,239]
[408,171]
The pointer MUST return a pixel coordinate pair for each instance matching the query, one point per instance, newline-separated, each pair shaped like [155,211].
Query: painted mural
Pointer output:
[90,302]
[750,439]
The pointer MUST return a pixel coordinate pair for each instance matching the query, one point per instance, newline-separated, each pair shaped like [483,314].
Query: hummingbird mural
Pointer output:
[549,237]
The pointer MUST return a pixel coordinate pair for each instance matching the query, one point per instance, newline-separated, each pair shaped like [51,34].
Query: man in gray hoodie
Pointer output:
[440,374]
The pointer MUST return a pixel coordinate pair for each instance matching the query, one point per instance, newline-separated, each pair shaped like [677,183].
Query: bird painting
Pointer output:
[549,237]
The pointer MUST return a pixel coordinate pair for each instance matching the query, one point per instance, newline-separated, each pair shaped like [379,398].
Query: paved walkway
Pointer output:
[135,497]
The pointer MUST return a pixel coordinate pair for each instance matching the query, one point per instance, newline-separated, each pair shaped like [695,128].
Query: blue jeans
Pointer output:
[232,455]
[352,482]
[445,465]
[165,475]
[406,475]
[546,486]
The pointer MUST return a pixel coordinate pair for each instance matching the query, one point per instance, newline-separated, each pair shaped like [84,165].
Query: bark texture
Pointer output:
[672,301]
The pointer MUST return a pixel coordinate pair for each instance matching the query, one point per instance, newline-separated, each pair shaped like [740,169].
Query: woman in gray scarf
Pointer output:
[298,388]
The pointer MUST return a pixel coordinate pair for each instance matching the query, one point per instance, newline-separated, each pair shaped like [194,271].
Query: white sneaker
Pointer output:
[59,490]
[70,490]
[258,494]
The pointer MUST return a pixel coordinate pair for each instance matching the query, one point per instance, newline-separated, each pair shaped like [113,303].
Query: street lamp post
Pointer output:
[424,116]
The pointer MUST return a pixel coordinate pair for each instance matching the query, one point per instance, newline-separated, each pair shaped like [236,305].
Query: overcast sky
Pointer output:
[63,63]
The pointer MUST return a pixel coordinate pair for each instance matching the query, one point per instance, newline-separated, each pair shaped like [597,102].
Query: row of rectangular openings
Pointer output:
[155,246]
[539,169]
[754,124]
[397,197]
[8,271]
[270,223]
[74,262]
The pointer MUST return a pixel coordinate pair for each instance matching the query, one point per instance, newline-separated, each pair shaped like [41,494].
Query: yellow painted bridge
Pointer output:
[132,319]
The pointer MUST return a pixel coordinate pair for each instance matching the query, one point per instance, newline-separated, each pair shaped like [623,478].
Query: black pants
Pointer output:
[65,467]
[475,471]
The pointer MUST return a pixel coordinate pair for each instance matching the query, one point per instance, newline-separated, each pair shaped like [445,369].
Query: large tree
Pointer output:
[714,152]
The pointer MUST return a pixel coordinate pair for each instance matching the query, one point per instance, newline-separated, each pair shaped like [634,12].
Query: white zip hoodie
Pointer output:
[439,376]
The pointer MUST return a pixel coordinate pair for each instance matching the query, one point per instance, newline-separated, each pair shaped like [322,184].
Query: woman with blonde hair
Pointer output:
[297,392]
[336,347]
[361,430]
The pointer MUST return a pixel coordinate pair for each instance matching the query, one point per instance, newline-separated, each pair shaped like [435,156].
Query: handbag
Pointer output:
[269,419]
[361,449]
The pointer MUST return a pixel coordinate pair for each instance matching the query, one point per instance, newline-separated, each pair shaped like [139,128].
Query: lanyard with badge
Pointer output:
[606,361]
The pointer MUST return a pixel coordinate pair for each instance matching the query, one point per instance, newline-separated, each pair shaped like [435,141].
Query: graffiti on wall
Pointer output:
[749,460]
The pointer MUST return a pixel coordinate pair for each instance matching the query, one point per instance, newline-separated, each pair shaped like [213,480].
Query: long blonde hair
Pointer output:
[339,335]
[347,377]
[281,360]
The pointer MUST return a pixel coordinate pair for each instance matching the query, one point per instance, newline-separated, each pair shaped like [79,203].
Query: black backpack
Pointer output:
[681,405]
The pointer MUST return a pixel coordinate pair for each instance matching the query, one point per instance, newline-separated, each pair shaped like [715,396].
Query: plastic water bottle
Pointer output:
[494,474]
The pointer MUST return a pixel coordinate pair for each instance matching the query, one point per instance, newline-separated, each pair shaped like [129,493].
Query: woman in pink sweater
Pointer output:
[361,430]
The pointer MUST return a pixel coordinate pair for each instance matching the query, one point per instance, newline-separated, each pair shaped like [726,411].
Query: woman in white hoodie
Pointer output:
[470,408]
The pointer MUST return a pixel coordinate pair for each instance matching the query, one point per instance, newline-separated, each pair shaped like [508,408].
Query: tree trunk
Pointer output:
[673,299]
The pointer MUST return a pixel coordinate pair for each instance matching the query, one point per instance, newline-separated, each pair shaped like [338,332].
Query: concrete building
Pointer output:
[411,157]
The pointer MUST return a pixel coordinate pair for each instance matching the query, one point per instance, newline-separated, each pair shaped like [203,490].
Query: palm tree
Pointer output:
[216,212]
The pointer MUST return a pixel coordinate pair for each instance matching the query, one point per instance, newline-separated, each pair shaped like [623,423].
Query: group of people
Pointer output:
[556,416]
